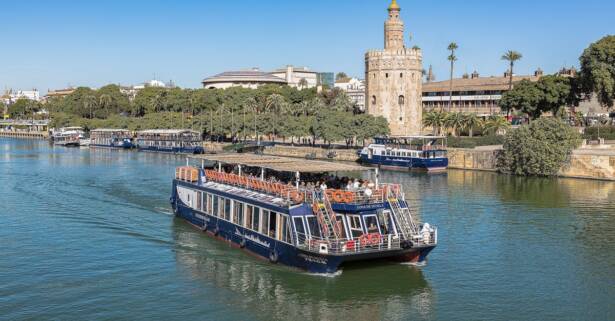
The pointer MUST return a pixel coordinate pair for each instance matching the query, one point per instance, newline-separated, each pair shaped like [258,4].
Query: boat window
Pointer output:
[216,206]
[209,204]
[273,223]
[238,213]
[371,223]
[283,230]
[300,229]
[199,201]
[248,220]
[312,224]
[256,215]
[264,227]
[354,222]
[227,209]
[340,222]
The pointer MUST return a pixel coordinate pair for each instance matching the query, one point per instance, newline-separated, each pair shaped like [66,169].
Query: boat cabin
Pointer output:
[111,138]
[170,141]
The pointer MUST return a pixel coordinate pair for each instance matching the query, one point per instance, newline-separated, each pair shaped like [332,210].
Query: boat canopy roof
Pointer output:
[105,130]
[167,131]
[282,164]
[413,137]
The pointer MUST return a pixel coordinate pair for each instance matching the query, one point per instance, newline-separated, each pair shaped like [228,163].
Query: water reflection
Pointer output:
[362,292]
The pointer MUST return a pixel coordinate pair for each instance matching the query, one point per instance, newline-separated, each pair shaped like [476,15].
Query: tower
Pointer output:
[394,79]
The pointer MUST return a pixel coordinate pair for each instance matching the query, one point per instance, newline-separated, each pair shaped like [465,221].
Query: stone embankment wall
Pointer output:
[349,155]
[584,163]
[18,134]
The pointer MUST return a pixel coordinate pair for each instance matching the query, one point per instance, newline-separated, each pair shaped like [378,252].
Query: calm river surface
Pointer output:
[90,235]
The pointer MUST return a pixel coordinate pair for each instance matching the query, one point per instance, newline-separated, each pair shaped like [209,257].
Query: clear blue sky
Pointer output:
[51,44]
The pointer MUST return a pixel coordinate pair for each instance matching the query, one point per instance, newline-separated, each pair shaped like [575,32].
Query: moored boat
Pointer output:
[267,205]
[68,137]
[407,153]
[178,141]
[111,138]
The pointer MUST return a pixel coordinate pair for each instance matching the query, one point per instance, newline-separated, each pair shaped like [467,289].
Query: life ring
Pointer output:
[338,196]
[242,244]
[273,256]
[204,227]
[350,245]
[348,197]
[216,231]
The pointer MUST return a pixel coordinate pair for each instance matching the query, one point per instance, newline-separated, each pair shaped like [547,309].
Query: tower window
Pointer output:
[401,100]
[386,75]
[401,75]
[374,100]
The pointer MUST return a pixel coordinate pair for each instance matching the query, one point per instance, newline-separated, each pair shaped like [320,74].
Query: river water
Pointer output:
[90,235]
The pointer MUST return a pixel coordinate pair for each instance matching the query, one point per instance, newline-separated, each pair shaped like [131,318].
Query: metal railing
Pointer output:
[364,244]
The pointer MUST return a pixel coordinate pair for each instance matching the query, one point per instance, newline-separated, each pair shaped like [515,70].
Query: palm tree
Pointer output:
[471,121]
[454,121]
[89,102]
[303,83]
[452,58]
[494,124]
[435,120]
[104,101]
[275,103]
[511,56]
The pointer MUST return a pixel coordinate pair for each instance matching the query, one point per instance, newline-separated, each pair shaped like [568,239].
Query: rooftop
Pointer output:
[244,76]
[282,164]
[474,84]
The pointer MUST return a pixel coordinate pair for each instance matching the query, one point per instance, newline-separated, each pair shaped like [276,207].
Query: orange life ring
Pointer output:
[338,196]
[350,245]
[348,197]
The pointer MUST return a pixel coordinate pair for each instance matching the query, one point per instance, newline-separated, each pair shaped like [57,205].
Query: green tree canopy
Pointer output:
[597,73]
[540,148]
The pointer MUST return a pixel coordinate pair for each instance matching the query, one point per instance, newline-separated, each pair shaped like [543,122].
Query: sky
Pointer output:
[60,43]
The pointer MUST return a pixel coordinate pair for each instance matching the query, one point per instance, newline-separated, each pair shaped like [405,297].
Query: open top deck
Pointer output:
[282,164]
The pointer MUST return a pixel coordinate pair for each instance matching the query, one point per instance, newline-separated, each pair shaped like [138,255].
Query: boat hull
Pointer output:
[396,163]
[279,252]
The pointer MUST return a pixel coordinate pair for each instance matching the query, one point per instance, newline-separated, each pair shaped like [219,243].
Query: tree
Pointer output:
[495,124]
[454,121]
[340,75]
[89,103]
[303,83]
[597,73]
[471,122]
[435,120]
[511,56]
[540,148]
[452,58]
[525,97]
[274,104]
[556,93]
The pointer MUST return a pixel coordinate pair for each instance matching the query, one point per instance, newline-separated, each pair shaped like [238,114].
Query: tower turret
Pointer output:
[394,29]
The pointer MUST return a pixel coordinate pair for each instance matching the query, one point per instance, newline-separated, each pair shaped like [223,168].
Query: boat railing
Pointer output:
[373,242]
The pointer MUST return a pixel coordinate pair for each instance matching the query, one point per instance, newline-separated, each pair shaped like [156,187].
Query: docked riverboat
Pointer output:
[407,153]
[112,138]
[68,137]
[178,141]
[268,206]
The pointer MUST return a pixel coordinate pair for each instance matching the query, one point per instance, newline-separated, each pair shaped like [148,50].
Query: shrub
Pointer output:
[540,148]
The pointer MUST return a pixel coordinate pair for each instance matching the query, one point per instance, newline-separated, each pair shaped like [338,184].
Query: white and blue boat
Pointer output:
[261,205]
[112,138]
[177,141]
[407,153]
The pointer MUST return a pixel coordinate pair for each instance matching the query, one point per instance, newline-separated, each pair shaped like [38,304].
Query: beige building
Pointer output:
[355,89]
[393,79]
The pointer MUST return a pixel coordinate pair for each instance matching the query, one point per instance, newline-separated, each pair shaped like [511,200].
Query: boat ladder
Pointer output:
[326,218]
[403,217]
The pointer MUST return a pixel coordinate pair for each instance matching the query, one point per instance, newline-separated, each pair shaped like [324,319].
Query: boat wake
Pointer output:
[326,275]
[417,264]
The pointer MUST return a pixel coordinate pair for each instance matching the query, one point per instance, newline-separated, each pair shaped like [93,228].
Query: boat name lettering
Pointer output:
[314,259]
[252,238]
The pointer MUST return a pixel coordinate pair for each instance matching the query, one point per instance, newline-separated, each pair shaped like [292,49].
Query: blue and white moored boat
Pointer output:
[407,152]
[260,204]
[178,141]
[111,138]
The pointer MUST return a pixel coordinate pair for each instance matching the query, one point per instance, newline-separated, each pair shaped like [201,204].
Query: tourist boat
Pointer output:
[68,137]
[111,138]
[294,225]
[180,141]
[407,152]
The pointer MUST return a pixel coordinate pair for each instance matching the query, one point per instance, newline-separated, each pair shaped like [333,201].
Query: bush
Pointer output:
[540,148]
[606,132]
[471,142]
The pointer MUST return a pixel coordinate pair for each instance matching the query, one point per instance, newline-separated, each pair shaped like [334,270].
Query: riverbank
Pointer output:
[24,134]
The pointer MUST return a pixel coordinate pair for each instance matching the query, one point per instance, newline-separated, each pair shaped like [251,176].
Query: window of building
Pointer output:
[374,100]
[386,75]
[401,75]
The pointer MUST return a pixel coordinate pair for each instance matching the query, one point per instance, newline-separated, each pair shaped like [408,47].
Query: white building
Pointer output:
[131,91]
[298,77]
[12,96]
[355,89]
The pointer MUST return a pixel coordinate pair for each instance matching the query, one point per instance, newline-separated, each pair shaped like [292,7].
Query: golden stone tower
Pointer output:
[393,79]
